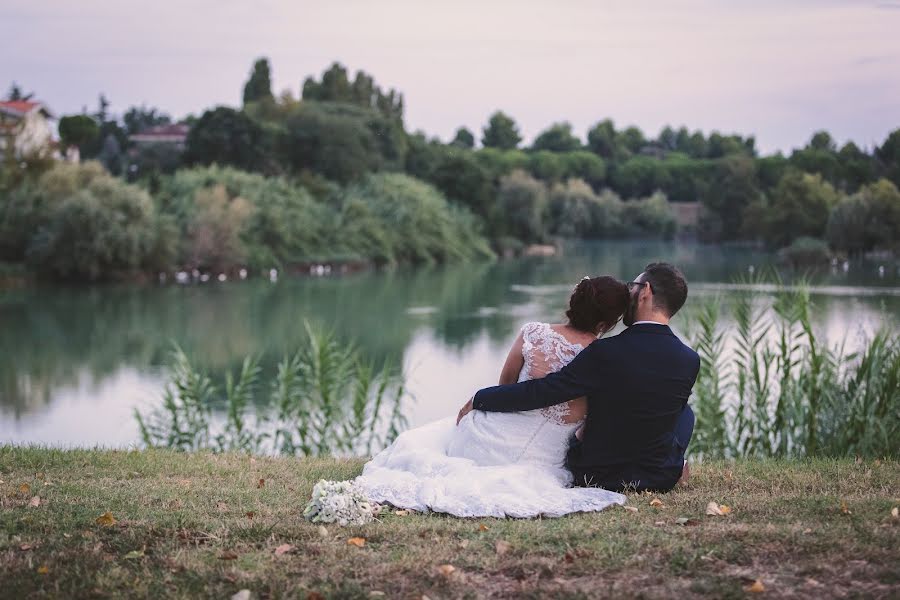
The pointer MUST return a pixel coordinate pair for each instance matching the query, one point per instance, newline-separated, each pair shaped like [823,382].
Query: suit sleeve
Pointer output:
[574,380]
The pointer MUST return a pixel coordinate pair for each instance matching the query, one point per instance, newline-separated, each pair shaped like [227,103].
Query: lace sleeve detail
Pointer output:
[531,332]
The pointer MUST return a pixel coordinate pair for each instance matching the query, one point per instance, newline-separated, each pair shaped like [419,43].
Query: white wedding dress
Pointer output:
[492,464]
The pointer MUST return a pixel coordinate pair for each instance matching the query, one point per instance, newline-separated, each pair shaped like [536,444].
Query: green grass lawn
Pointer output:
[205,525]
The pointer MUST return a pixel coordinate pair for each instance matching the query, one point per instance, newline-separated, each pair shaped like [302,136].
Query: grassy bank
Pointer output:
[204,525]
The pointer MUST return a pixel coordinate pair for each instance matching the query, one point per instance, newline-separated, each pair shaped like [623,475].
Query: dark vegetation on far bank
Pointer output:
[335,177]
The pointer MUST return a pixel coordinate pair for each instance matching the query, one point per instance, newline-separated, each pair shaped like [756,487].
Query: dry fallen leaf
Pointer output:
[631,508]
[657,503]
[845,509]
[283,549]
[357,541]
[446,570]
[106,519]
[717,510]
[401,513]
[35,502]
[228,555]
[482,527]
[261,484]
[686,522]
[757,587]
[895,512]
[323,531]
[43,569]
[502,547]
[376,594]
[242,595]
[25,547]
[24,488]
[134,554]
[251,514]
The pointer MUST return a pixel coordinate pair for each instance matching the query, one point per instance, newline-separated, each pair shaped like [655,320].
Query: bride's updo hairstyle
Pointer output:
[596,301]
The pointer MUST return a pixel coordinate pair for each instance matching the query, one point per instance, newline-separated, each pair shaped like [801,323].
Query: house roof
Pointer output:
[19,108]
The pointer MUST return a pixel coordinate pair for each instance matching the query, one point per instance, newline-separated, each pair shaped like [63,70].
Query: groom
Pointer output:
[637,385]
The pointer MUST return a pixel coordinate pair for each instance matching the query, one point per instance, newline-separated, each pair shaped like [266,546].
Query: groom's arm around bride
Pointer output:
[637,385]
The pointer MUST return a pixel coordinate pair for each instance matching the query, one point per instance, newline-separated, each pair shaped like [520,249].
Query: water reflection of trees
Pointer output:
[51,336]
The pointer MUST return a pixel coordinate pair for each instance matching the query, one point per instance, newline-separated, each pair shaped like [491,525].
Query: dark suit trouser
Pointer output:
[681,437]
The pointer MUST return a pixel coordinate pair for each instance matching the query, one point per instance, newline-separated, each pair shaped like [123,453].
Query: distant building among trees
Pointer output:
[172,134]
[26,128]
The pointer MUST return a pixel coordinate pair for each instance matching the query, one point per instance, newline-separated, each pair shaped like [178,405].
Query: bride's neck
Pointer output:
[571,327]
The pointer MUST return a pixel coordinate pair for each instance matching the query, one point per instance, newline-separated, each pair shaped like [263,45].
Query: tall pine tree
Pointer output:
[259,86]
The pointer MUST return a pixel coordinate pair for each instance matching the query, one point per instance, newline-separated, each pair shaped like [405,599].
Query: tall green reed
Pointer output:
[324,399]
[710,437]
[770,386]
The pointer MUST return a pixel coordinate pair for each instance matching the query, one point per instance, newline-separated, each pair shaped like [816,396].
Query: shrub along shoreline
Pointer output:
[78,223]
[159,523]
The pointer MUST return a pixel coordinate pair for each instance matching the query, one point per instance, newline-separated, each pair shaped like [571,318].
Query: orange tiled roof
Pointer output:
[22,107]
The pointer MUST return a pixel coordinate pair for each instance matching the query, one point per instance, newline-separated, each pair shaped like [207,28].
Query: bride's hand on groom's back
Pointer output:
[466,409]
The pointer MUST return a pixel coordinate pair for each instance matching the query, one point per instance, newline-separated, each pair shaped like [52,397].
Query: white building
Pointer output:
[174,134]
[28,125]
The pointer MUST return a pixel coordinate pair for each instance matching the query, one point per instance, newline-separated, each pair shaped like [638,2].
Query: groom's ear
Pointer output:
[646,292]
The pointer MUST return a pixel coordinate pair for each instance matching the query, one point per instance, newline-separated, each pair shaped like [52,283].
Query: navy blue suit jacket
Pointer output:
[636,383]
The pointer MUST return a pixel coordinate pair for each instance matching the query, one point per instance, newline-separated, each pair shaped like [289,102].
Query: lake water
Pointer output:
[76,362]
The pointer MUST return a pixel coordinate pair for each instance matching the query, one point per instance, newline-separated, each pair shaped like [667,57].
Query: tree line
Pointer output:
[342,129]
[339,158]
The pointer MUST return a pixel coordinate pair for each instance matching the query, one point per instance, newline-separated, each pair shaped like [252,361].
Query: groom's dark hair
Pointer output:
[668,286]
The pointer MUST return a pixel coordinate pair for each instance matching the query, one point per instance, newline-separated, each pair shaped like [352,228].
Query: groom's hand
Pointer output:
[466,409]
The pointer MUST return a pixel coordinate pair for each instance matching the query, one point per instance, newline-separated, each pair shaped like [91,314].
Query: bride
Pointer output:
[501,464]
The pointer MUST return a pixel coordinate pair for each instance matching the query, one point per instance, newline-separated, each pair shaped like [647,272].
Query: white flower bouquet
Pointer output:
[339,502]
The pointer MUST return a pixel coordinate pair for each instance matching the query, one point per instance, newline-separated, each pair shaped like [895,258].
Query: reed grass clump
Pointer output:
[325,399]
[769,386]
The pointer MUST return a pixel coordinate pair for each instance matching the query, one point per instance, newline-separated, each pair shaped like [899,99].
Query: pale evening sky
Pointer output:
[779,70]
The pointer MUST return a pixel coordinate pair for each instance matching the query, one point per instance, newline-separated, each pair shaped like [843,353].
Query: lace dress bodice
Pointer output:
[545,350]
